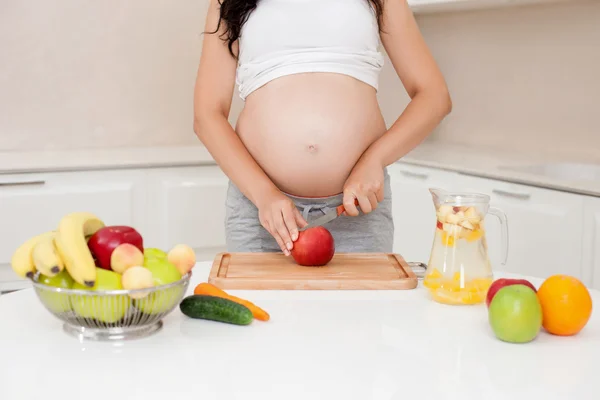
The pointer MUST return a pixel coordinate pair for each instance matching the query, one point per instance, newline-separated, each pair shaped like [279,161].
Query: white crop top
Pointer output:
[283,37]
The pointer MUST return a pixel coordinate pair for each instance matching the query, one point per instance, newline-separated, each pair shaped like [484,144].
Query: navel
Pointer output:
[312,148]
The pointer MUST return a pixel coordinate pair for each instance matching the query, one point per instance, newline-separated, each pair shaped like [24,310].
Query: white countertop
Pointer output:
[380,345]
[488,163]
[112,158]
[492,163]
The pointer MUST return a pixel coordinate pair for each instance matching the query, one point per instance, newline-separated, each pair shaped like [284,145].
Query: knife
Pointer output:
[327,217]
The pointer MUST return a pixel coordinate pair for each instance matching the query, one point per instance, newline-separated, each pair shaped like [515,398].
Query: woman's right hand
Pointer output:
[280,217]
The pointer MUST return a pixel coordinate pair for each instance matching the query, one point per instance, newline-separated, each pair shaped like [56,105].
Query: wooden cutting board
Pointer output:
[346,271]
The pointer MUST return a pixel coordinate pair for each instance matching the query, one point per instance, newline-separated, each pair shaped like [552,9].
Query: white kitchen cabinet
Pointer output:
[187,205]
[545,228]
[31,204]
[413,209]
[591,242]
[436,6]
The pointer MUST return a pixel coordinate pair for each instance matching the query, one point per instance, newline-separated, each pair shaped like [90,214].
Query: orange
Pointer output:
[566,305]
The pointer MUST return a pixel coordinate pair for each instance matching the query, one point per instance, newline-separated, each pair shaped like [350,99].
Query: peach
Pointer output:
[125,256]
[137,277]
[183,257]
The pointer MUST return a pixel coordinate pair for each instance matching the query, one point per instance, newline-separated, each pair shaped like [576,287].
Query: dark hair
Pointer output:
[235,13]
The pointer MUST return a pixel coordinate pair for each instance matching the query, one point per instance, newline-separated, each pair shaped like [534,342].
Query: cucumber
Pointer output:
[215,309]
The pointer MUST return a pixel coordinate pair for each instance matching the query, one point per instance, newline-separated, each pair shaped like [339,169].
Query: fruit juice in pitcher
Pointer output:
[459,269]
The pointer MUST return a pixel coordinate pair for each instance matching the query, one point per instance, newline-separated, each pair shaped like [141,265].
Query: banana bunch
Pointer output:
[52,252]
[24,263]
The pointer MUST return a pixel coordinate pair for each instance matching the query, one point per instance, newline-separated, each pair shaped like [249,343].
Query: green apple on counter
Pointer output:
[515,314]
[106,309]
[55,301]
[163,273]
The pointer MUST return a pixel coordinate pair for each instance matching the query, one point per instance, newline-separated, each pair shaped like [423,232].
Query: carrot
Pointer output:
[211,290]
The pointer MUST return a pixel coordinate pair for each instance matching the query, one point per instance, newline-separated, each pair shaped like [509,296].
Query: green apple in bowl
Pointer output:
[56,302]
[163,273]
[103,308]
[151,253]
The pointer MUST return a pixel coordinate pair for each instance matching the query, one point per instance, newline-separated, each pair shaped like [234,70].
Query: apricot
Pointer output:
[137,277]
[183,257]
[125,256]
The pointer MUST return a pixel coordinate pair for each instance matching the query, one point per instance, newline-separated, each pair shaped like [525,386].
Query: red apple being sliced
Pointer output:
[315,247]
[502,282]
[105,241]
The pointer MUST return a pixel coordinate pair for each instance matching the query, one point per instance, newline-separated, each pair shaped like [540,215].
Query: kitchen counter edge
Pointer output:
[486,164]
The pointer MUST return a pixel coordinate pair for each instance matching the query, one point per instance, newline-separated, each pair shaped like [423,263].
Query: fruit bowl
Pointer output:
[111,314]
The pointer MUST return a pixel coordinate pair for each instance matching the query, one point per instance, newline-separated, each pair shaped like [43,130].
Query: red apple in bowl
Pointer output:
[106,240]
[502,282]
[315,247]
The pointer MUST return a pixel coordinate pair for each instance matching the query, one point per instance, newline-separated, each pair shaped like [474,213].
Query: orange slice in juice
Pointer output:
[432,283]
[433,279]
[447,240]
[452,286]
[474,235]
[445,297]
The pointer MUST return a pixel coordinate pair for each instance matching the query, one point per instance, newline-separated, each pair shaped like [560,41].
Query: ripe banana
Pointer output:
[71,242]
[46,258]
[22,259]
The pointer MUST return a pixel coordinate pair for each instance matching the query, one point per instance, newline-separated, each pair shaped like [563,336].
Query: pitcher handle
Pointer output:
[503,229]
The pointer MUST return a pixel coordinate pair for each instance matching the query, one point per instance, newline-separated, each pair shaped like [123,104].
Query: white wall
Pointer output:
[79,74]
[522,78]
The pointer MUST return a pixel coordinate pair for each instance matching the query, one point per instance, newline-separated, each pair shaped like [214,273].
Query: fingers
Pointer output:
[267,223]
[300,221]
[373,200]
[364,202]
[282,220]
[280,242]
[289,218]
[379,192]
[349,206]
[282,230]
[368,197]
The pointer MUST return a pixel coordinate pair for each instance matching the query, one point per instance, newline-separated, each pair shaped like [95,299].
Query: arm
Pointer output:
[430,103]
[422,79]
[212,103]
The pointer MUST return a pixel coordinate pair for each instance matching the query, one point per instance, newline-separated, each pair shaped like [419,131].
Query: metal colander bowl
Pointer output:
[112,314]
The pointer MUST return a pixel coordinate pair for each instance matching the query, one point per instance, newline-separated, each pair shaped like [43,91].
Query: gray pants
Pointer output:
[373,232]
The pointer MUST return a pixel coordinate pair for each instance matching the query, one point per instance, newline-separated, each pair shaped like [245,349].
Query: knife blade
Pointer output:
[327,217]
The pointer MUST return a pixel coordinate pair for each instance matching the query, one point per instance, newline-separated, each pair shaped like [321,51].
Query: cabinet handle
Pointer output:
[22,183]
[418,175]
[522,196]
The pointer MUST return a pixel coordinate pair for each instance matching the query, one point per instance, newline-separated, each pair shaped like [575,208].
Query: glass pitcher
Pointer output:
[459,269]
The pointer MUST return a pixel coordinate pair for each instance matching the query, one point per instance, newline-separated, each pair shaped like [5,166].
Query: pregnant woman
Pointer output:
[311,135]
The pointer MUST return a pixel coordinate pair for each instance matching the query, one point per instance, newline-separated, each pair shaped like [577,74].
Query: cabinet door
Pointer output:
[591,239]
[413,209]
[31,204]
[544,228]
[187,205]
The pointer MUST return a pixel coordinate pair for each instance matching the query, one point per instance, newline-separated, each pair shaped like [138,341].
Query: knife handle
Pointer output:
[341,209]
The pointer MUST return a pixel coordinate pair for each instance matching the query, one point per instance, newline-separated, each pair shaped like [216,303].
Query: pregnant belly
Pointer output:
[307,131]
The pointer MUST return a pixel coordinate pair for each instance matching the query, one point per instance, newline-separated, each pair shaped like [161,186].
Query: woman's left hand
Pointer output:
[364,184]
